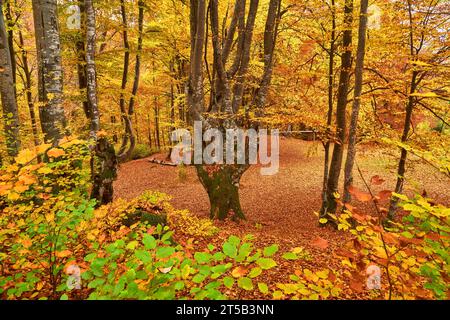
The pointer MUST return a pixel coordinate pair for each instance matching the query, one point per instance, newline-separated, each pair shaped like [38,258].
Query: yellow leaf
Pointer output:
[44,170]
[13,196]
[41,148]
[25,156]
[50,216]
[322,274]
[323,220]
[63,254]
[297,249]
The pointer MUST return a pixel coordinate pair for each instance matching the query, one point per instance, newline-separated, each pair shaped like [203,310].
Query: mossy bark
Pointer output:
[221,182]
[104,171]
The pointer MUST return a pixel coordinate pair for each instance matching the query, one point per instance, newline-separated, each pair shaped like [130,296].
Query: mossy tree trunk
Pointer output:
[221,182]
[104,171]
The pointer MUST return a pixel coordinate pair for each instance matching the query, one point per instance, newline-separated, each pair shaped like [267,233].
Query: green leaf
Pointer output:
[230,249]
[266,263]
[64,297]
[270,251]
[96,282]
[198,278]
[179,285]
[143,255]
[290,256]
[228,282]
[132,245]
[202,257]
[164,252]
[245,283]
[255,272]
[149,242]
[263,287]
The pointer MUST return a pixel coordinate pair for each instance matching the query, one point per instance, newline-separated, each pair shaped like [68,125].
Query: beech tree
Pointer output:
[351,152]
[329,196]
[7,91]
[227,85]
[50,73]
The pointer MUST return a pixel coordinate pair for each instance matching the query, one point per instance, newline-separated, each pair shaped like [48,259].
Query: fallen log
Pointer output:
[162,162]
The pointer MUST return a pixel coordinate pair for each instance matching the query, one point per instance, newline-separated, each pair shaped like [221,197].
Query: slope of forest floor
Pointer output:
[280,208]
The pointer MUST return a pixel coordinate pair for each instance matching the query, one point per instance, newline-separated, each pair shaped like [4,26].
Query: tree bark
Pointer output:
[50,73]
[126,152]
[327,144]
[338,150]
[126,63]
[221,182]
[80,46]
[7,92]
[351,151]
[27,83]
[91,74]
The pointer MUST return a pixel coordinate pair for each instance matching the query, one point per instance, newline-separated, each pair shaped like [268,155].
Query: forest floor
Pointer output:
[281,208]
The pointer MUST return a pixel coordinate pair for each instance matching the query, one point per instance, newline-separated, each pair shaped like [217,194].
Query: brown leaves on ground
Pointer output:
[279,208]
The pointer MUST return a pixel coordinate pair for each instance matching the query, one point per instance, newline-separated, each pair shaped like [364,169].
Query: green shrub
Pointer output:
[142,151]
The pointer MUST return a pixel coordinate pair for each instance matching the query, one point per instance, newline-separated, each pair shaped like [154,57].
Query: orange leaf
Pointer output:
[55,152]
[384,195]
[360,195]
[63,254]
[320,243]
[356,285]
[239,272]
[376,180]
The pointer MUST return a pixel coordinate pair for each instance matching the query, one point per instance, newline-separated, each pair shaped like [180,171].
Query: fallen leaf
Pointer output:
[239,272]
[376,180]
[384,195]
[320,243]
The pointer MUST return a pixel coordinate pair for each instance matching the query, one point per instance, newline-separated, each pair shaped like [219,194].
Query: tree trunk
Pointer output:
[80,45]
[50,73]
[126,63]
[351,152]
[408,116]
[338,150]
[229,84]
[125,153]
[27,83]
[404,153]
[105,172]
[10,23]
[7,92]
[221,182]
[330,105]
[91,77]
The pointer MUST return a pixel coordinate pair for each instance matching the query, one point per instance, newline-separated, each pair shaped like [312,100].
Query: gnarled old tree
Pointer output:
[227,84]
[50,73]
